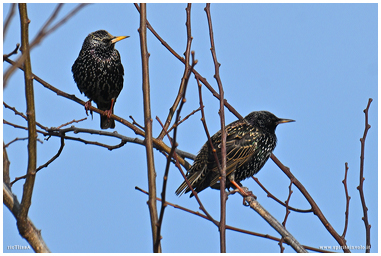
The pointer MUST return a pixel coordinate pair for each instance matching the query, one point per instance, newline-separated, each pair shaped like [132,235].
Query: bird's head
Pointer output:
[265,120]
[101,39]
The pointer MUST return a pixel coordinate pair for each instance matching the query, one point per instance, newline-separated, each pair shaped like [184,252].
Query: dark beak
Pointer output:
[281,121]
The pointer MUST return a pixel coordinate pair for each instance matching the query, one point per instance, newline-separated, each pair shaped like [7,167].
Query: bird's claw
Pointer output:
[247,193]
[108,113]
[87,108]
[232,192]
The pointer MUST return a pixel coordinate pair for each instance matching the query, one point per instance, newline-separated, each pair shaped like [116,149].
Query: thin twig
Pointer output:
[277,199]
[71,122]
[8,19]
[311,201]
[223,196]
[347,198]
[12,52]
[197,213]
[182,120]
[286,215]
[184,83]
[45,31]
[361,186]
[136,123]
[40,36]
[158,144]
[201,78]
[16,139]
[47,163]
[202,208]
[22,115]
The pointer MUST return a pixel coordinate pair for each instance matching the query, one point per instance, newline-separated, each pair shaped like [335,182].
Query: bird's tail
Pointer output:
[184,188]
[105,121]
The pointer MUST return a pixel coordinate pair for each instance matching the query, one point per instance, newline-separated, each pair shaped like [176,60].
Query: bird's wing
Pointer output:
[240,147]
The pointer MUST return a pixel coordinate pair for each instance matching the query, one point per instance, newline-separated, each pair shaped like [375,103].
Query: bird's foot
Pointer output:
[247,193]
[108,113]
[228,193]
[87,108]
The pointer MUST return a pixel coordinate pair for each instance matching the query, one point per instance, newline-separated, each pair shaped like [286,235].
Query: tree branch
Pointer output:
[311,201]
[22,222]
[8,19]
[34,235]
[182,92]
[223,196]
[176,206]
[288,238]
[40,36]
[361,186]
[159,144]
[347,197]
[277,199]
[148,129]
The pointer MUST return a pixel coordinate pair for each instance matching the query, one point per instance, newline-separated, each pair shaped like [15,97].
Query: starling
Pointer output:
[249,144]
[98,73]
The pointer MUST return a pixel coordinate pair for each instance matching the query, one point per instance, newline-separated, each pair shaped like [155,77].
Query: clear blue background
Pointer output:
[315,63]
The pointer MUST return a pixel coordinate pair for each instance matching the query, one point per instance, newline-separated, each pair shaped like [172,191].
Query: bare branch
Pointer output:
[288,238]
[223,195]
[22,115]
[148,128]
[185,118]
[347,197]
[12,52]
[40,36]
[184,84]
[8,19]
[34,235]
[14,140]
[201,78]
[277,199]
[44,31]
[159,144]
[311,201]
[176,206]
[135,123]
[208,216]
[286,215]
[71,122]
[47,163]
[361,186]
[6,164]
[22,222]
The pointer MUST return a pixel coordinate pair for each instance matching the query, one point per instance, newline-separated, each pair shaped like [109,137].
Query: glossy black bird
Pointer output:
[98,73]
[249,144]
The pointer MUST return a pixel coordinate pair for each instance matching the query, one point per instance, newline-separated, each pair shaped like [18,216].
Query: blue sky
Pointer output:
[315,63]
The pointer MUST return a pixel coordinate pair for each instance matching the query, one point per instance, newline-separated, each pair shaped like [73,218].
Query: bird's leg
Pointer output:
[109,111]
[87,108]
[243,192]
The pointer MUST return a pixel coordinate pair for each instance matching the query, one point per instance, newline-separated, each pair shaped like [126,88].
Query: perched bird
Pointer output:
[249,144]
[98,73]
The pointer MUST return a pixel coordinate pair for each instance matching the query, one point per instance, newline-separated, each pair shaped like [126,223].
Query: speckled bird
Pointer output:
[98,73]
[249,144]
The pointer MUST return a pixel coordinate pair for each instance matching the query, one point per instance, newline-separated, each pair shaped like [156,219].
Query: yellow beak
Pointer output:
[118,38]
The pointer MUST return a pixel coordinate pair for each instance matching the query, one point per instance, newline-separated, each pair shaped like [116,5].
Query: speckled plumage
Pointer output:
[249,143]
[98,72]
